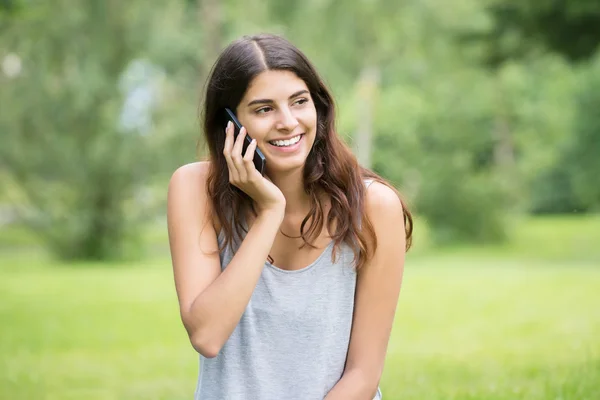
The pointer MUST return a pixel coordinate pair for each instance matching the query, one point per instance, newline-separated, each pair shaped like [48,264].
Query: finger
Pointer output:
[227,149]
[239,142]
[250,151]
[249,157]
[228,146]
[236,154]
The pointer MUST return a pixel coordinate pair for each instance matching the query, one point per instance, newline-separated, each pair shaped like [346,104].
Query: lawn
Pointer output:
[471,324]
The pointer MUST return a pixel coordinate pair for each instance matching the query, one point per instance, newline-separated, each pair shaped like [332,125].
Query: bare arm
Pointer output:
[212,302]
[377,290]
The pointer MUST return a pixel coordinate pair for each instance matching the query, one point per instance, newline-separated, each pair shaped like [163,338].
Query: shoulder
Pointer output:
[385,212]
[187,189]
[188,194]
[190,174]
[382,200]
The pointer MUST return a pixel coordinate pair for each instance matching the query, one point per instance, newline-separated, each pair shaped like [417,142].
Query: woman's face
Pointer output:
[278,111]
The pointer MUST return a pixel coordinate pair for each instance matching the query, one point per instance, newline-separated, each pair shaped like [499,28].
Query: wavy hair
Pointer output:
[330,170]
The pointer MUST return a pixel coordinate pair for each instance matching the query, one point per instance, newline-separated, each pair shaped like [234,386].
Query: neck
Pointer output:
[291,184]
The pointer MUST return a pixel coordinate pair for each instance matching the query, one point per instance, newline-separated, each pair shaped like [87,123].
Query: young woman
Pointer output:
[287,282]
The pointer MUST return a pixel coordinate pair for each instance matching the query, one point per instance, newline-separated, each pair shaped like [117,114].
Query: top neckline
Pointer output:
[325,251]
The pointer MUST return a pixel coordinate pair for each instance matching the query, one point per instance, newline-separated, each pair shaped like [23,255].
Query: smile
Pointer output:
[287,142]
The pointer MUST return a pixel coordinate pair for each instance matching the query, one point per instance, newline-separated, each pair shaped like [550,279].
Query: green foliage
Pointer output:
[77,165]
[582,157]
[463,208]
[553,192]
[438,145]
[571,182]
[467,145]
[520,27]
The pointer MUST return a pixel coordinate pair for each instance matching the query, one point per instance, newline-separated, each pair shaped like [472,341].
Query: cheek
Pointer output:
[258,128]
[309,116]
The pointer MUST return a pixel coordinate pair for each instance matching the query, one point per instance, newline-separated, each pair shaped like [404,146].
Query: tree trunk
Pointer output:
[210,18]
[367,91]
[504,153]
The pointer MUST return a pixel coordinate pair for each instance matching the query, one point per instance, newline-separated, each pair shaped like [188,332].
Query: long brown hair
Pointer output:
[331,169]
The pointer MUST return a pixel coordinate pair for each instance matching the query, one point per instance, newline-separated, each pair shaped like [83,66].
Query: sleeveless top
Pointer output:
[292,340]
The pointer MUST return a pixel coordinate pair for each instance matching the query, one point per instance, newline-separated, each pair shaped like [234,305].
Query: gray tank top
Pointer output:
[292,340]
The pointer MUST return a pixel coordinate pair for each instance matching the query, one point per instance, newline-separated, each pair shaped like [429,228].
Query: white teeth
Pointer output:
[285,143]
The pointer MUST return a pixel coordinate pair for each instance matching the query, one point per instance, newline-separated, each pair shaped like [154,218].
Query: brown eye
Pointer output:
[301,101]
[263,110]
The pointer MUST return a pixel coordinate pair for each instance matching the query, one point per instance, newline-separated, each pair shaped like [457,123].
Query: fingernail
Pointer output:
[228,124]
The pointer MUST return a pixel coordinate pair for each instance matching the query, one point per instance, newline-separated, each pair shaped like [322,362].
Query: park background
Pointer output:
[484,113]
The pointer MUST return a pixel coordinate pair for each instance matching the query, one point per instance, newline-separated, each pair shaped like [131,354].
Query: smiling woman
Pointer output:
[305,314]
[280,114]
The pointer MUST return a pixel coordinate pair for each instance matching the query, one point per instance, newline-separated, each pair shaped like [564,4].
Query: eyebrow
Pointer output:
[269,101]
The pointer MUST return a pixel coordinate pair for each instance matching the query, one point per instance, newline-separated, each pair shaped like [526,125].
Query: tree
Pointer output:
[76,129]
[568,27]
[397,64]
[581,155]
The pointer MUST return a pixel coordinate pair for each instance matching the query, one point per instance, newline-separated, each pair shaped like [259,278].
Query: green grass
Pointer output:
[496,331]
[556,239]
[480,323]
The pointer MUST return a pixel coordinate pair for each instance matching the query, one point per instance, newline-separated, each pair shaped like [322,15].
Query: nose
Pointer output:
[286,121]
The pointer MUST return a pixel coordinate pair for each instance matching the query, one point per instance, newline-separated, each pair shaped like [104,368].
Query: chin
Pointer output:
[286,166]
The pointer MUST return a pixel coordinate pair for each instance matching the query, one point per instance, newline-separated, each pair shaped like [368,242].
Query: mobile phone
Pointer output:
[259,158]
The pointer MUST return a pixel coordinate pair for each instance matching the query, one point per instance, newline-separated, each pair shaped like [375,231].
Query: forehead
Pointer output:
[274,85]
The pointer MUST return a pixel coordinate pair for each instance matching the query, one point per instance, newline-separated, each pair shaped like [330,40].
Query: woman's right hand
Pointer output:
[244,175]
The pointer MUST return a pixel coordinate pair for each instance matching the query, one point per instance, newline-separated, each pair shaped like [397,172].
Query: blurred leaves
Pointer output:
[99,104]
[582,154]
[64,139]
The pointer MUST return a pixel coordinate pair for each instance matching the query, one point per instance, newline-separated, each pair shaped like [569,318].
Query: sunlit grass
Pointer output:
[99,333]
[463,331]
[519,321]
[496,331]
[555,239]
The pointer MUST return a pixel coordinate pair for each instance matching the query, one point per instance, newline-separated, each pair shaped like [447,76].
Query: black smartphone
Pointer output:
[259,158]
